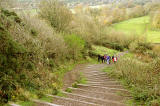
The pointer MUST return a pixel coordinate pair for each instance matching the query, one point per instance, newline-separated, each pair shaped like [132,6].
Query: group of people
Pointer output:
[107,59]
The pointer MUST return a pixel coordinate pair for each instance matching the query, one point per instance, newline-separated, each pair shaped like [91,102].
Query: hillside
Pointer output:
[45,58]
[139,26]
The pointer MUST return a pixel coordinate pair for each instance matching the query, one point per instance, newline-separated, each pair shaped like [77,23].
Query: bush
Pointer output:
[85,26]
[9,63]
[140,47]
[156,49]
[58,16]
[69,90]
[75,45]
[155,19]
[142,78]
[24,50]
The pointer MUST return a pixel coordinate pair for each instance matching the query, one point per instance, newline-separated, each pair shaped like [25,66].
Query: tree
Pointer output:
[156,20]
[8,3]
[56,13]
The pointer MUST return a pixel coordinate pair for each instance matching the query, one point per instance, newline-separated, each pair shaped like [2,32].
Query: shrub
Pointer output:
[23,56]
[155,19]
[9,63]
[58,16]
[69,90]
[75,85]
[156,49]
[142,78]
[85,26]
[75,45]
[140,47]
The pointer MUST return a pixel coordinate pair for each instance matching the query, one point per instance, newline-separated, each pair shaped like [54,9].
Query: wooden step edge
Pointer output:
[101,87]
[109,93]
[12,104]
[73,100]
[109,101]
[45,103]
[105,82]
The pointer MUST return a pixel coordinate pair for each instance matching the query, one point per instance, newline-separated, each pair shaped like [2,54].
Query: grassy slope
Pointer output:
[139,26]
[103,50]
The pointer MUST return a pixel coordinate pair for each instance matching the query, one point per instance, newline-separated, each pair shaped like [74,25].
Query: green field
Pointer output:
[139,26]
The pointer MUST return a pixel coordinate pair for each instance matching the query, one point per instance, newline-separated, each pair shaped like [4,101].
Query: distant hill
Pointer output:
[95,2]
[33,4]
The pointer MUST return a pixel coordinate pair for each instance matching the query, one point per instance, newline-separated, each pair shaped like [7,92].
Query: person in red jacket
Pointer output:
[113,59]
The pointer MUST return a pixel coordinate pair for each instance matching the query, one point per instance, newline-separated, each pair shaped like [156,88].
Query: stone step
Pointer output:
[108,96]
[93,100]
[100,80]
[93,72]
[100,76]
[95,75]
[104,83]
[70,102]
[12,104]
[41,103]
[102,89]
[107,85]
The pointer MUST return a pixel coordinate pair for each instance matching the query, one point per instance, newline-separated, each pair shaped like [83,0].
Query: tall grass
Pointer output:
[141,78]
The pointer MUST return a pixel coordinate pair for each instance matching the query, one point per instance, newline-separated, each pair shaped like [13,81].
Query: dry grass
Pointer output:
[142,79]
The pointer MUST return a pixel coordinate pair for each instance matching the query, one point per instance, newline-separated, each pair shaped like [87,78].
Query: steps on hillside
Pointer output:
[109,86]
[108,96]
[104,83]
[40,103]
[71,102]
[96,75]
[102,89]
[93,72]
[100,80]
[13,104]
[93,100]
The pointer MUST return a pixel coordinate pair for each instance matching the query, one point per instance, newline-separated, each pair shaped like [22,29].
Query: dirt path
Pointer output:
[100,90]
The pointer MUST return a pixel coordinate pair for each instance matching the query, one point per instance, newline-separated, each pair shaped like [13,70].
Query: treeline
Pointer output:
[113,13]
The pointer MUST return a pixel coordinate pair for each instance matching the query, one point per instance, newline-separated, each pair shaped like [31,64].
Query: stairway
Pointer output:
[100,90]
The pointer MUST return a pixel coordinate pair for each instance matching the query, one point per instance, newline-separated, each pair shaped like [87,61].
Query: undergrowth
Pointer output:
[33,58]
[142,80]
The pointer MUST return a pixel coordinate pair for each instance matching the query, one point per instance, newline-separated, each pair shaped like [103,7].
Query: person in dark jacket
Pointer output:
[4,97]
[99,58]
[102,58]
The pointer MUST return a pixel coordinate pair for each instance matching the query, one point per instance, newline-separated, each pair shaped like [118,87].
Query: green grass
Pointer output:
[139,26]
[103,50]
[47,99]
[69,90]
[27,103]
[82,79]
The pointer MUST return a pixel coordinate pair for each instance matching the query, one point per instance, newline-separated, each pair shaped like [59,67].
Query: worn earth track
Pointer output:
[100,90]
